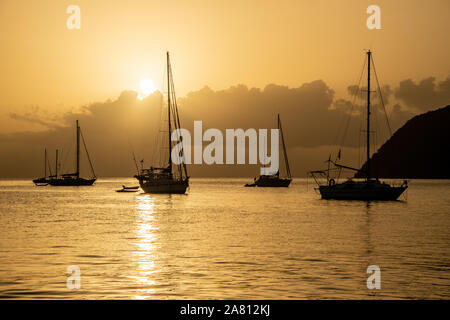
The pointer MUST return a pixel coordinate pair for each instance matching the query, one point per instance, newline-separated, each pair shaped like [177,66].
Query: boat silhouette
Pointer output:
[274,180]
[43,181]
[74,179]
[368,189]
[170,179]
[128,189]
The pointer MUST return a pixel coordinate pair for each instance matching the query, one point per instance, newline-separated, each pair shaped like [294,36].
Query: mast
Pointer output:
[368,114]
[45,163]
[87,153]
[56,165]
[135,163]
[288,170]
[49,168]
[78,152]
[168,111]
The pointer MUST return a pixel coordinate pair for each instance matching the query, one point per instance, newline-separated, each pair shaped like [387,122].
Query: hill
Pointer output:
[418,150]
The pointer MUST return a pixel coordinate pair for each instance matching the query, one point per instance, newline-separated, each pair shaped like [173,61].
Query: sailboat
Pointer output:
[274,180]
[369,188]
[40,182]
[170,179]
[74,179]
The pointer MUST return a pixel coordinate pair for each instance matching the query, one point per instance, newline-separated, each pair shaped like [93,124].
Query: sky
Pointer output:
[51,75]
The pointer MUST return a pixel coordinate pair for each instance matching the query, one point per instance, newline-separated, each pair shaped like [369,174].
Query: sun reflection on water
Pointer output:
[146,245]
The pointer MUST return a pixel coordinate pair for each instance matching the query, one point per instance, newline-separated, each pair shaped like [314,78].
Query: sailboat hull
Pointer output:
[40,182]
[68,182]
[361,191]
[272,182]
[168,186]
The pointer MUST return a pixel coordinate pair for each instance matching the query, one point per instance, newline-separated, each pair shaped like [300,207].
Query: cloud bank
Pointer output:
[313,122]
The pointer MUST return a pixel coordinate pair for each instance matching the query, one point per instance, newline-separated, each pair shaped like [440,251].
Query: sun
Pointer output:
[146,87]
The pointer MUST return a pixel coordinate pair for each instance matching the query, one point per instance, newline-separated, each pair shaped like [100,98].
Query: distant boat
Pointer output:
[274,180]
[128,189]
[40,182]
[168,179]
[369,189]
[74,179]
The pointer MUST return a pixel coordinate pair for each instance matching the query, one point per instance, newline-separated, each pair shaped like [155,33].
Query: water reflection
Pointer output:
[369,244]
[146,245]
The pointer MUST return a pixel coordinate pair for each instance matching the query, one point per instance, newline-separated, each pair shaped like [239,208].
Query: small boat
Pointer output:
[274,180]
[126,188]
[168,179]
[42,182]
[74,179]
[368,189]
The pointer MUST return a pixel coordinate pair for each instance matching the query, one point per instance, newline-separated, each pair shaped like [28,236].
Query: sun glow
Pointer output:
[146,87]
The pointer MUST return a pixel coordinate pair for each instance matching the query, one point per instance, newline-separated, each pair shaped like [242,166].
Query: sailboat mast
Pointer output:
[368,114]
[78,151]
[288,170]
[56,165]
[168,111]
[45,163]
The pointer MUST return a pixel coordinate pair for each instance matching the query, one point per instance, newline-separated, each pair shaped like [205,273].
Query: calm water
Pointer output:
[221,241]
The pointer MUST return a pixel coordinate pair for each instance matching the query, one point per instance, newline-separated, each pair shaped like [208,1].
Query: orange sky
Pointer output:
[214,43]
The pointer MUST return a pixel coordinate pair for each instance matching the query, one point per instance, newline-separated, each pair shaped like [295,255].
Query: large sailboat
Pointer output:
[171,178]
[44,180]
[368,189]
[274,180]
[74,179]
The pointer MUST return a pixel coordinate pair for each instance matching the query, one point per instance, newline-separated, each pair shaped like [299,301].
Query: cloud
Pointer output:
[361,93]
[305,110]
[36,116]
[424,95]
[313,119]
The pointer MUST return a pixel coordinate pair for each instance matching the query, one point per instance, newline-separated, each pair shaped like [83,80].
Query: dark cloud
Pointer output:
[361,93]
[305,111]
[425,95]
[312,118]
[36,116]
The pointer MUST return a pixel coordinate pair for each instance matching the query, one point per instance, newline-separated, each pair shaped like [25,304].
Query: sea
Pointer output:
[222,241]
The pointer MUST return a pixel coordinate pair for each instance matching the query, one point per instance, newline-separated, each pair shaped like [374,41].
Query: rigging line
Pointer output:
[87,153]
[157,137]
[178,125]
[359,142]
[63,164]
[377,129]
[381,97]
[176,119]
[49,166]
[353,104]
[288,170]
[134,156]
[172,111]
